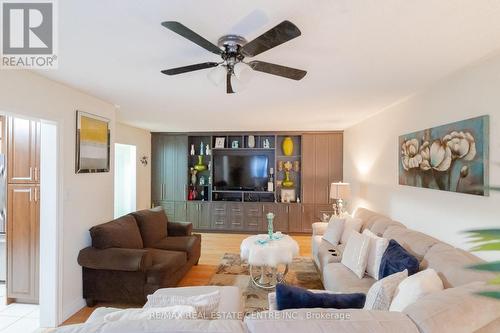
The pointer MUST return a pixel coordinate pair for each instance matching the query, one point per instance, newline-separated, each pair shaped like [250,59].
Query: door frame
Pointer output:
[51,213]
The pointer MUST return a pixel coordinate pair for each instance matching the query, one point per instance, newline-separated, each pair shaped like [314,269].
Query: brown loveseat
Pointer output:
[136,254]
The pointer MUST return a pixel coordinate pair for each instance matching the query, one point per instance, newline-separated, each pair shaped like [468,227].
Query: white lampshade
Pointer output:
[340,191]
[217,75]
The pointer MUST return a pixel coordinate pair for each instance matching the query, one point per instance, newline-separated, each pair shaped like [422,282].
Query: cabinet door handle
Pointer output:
[36,194]
[302,209]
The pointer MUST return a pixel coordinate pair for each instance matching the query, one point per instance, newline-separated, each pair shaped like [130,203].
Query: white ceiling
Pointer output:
[361,56]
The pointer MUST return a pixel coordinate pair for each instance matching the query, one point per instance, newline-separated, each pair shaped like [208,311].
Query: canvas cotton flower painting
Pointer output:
[452,157]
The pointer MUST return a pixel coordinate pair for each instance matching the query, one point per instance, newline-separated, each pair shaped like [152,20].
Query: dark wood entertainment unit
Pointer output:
[316,160]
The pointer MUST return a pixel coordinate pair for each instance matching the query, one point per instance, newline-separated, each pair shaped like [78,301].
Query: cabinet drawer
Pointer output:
[219,209]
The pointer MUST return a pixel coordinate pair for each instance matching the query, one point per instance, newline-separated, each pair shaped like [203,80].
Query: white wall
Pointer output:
[142,140]
[371,156]
[87,199]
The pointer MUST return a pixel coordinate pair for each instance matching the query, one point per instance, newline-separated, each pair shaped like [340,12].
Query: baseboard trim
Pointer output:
[73,308]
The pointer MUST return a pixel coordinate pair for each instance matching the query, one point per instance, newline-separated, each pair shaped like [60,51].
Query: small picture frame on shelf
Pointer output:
[219,142]
[235,144]
[266,144]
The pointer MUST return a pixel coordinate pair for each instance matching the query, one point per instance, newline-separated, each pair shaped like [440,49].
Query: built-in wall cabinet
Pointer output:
[23,209]
[320,157]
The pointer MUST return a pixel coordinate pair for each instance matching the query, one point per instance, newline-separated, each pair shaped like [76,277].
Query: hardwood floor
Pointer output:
[213,247]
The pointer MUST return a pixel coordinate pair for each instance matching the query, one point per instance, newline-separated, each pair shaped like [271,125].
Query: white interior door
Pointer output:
[125,179]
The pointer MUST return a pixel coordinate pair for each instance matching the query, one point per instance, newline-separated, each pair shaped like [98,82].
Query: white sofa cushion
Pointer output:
[380,295]
[338,278]
[231,299]
[414,287]
[333,233]
[456,310]
[350,224]
[165,313]
[355,254]
[329,320]
[157,326]
[376,250]
[206,305]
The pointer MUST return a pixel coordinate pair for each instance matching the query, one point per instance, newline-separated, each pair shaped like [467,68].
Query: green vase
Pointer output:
[200,166]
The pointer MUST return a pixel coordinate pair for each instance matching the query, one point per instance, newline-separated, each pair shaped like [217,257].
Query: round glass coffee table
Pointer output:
[268,259]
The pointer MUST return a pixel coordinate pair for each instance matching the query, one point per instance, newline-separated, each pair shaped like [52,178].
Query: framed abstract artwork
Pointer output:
[452,157]
[92,143]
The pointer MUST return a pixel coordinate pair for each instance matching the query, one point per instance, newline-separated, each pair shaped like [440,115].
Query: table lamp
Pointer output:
[340,192]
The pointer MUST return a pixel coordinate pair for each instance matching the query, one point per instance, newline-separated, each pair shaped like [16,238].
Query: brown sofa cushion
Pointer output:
[171,261]
[188,244]
[122,232]
[114,259]
[152,225]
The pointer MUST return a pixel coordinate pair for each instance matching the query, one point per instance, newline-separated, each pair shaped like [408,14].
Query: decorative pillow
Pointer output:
[397,259]
[414,287]
[290,297]
[122,232]
[351,224]
[378,245]
[334,230]
[380,295]
[355,254]
[152,224]
[165,313]
[206,305]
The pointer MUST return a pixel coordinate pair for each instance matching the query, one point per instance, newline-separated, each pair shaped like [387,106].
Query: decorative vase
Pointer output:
[193,176]
[287,146]
[251,141]
[270,218]
[200,166]
[287,182]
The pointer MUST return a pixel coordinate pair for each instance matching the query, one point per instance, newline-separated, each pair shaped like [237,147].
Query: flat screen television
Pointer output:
[238,172]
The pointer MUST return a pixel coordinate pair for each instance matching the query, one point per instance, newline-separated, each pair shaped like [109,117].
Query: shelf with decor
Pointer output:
[288,168]
[199,168]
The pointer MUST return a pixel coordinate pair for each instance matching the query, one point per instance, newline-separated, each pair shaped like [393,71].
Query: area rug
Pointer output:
[233,272]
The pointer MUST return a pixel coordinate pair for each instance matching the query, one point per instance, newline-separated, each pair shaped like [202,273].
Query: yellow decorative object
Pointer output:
[287,146]
[287,182]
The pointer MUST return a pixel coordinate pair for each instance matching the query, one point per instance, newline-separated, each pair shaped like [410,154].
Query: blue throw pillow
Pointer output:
[397,259]
[289,297]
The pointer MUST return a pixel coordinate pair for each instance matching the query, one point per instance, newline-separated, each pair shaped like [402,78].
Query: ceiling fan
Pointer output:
[233,50]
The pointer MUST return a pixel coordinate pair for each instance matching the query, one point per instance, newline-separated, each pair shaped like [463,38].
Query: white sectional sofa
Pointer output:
[456,309]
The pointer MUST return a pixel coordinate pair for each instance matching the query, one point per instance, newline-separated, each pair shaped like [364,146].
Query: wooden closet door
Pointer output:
[308,168]
[321,169]
[23,139]
[22,242]
[336,167]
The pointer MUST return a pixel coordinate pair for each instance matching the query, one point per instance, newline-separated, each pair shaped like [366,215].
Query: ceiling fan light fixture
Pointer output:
[217,75]
[243,72]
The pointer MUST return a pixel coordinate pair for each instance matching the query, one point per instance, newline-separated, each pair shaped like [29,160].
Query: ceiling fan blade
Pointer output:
[189,34]
[229,87]
[288,72]
[278,35]
[190,68]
